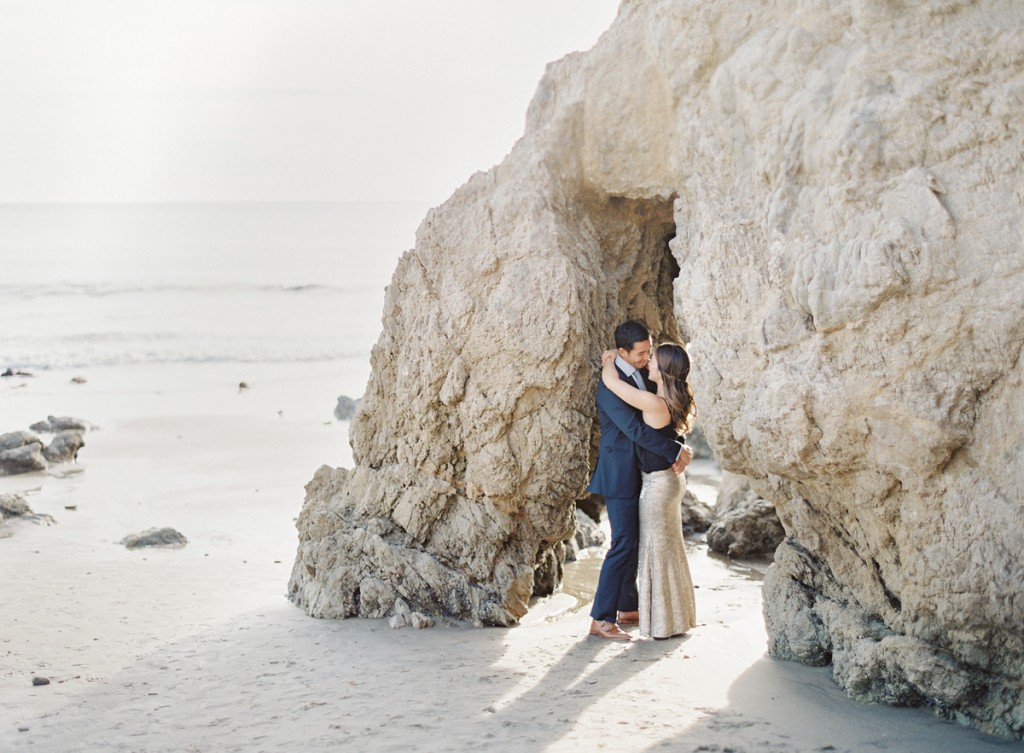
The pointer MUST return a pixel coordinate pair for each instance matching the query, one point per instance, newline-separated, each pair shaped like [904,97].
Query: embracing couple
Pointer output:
[644,404]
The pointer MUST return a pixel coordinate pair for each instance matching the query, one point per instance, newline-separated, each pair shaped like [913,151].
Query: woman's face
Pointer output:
[652,369]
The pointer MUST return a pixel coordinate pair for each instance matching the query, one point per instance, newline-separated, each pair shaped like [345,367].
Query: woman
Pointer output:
[667,606]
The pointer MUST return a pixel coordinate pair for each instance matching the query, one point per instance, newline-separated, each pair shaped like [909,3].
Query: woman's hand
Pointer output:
[685,456]
[609,374]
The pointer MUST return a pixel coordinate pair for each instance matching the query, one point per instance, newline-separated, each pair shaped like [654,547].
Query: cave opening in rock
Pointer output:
[629,239]
[634,241]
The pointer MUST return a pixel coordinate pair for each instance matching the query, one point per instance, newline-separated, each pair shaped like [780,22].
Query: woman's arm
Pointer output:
[636,431]
[640,399]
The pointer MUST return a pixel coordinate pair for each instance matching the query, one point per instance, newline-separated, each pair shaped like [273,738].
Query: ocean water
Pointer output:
[89,285]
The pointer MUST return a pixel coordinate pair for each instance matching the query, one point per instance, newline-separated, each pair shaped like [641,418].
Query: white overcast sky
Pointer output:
[270,100]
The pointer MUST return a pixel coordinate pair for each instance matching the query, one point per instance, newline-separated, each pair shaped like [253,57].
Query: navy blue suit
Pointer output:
[617,479]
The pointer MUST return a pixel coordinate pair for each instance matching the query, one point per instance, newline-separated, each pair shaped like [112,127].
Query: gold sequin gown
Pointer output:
[667,604]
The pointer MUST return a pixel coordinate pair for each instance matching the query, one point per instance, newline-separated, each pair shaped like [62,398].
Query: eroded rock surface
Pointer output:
[61,423]
[20,452]
[745,525]
[850,265]
[15,506]
[474,438]
[844,184]
[588,535]
[697,517]
[24,451]
[64,446]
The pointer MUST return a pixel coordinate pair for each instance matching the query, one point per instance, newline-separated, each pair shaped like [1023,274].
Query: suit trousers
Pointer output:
[616,586]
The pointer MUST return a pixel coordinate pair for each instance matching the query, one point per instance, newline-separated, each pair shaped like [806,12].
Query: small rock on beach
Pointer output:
[167,538]
[14,439]
[61,423]
[346,408]
[65,446]
[15,506]
[25,458]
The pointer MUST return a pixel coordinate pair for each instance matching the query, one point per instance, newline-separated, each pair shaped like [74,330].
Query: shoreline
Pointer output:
[199,649]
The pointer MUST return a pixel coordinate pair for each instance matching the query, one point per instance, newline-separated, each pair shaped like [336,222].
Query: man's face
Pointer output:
[639,355]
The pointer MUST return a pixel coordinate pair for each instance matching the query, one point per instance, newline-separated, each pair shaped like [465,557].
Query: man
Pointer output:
[617,479]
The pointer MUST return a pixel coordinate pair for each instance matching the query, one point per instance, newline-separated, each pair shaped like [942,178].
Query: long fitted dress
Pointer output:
[667,604]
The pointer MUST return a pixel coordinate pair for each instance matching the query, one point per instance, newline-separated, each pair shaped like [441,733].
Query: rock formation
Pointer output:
[21,452]
[588,535]
[745,525]
[696,515]
[64,446]
[15,506]
[844,185]
[474,437]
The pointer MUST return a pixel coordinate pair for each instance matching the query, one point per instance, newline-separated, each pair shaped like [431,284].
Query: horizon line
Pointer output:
[212,201]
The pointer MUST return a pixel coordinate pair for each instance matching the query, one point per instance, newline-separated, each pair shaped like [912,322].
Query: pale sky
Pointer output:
[270,100]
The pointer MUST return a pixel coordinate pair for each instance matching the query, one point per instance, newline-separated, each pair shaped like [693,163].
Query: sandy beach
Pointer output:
[197,649]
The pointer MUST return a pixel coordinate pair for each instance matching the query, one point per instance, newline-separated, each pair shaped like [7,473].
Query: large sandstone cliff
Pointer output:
[844,185]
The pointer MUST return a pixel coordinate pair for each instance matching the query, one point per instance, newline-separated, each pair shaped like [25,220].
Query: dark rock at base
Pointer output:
[65,446]
[696,515]
[588,534]
[24,459]
[14,372]
[745,524]
[346,408]
[547,573]
[747,532]
[592,505]
[60,423]
[155,537]
[40,681]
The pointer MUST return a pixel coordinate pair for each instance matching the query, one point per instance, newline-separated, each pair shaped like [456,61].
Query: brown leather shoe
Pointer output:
[608,631]
[628,618]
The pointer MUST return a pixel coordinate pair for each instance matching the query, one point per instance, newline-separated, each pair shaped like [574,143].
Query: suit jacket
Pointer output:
[622,428]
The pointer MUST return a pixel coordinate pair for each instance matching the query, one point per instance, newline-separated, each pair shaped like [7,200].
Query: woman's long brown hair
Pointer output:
[674,365]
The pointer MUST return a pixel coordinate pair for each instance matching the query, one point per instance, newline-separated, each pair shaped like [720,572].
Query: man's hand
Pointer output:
[683,460]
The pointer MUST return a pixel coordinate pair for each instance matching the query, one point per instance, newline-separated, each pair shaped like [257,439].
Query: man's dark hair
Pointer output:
[629,333]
